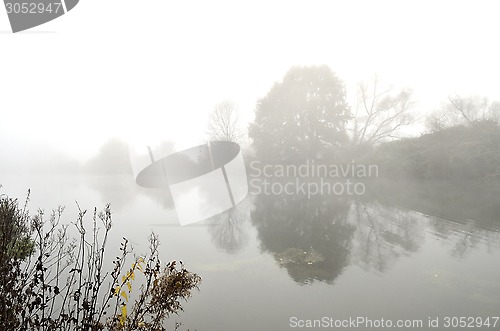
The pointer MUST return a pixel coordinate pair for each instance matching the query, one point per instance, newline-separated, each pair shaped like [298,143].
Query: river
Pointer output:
[403,251]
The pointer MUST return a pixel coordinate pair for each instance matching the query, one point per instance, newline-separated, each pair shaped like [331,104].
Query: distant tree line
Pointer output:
[457,152]
[306,116]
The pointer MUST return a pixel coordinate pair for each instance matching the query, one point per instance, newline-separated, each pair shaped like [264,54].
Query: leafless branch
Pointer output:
[384,113]
[224,123]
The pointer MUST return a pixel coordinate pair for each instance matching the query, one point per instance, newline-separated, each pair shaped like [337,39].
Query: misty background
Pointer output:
[408,86]
[154,71]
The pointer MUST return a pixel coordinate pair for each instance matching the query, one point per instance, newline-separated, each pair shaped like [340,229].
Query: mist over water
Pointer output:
[363,174]
[310,257]
[428,244]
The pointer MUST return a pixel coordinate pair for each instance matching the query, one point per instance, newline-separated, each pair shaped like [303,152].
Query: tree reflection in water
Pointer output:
[383,234]
[316,238]
[228,228]
[309,237]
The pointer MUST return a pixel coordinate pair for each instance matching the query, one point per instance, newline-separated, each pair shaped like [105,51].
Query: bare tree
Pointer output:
[464,111]
[443,118]
[228,229]
[380,114]
[224,123]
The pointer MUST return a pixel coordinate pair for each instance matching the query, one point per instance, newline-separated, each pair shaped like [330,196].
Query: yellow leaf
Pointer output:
[124,311]
[117,290]
[123,294]
[129,287]
[123,316]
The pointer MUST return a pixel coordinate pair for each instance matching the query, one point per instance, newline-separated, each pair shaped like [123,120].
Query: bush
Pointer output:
[49,281]
[460,152]
[15,241]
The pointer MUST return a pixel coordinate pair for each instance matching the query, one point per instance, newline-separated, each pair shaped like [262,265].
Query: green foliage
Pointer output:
[458,152]
[301,116]
[15,241]
[58,283]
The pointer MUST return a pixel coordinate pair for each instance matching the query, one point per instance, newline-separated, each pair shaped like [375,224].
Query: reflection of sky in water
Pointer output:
[201,197]
[202,181]
[397,264]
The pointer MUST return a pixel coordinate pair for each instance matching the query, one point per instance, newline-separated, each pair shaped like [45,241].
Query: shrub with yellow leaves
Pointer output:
[36,297]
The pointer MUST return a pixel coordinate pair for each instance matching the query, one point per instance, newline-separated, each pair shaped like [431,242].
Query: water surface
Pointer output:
[401,251]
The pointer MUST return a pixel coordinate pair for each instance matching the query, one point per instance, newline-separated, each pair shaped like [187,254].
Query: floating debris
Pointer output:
[298,256]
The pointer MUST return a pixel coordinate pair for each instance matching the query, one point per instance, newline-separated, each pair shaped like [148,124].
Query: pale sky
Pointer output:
[152,70]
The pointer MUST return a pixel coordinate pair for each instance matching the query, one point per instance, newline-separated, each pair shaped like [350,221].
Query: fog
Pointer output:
[305,158]
[148,75]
